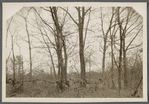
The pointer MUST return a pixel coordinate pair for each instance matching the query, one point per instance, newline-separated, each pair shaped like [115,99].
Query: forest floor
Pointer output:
[40,90]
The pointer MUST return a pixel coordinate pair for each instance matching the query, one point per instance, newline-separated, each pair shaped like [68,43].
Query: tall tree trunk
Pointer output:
[125,67]
[105,35]
[125,50]
[80,24]
[52,63]
[81,45]
[112,61]
[103,60]
[59,41]
[120,51]
[112,35]
[19,71]
[49,52]
[65,55]
[13,61]
[22,71]
[61,65]
[89,63]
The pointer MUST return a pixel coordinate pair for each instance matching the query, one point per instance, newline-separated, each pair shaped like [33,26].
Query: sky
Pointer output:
[38,57]
[13,8]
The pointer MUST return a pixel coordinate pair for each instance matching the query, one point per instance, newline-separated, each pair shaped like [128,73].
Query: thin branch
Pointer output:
[134,38]
[8,29]
[43,20]
[70,16]
[135,46]
[86,28]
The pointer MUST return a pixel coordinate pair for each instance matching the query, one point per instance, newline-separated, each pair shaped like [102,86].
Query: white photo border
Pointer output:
[6,9]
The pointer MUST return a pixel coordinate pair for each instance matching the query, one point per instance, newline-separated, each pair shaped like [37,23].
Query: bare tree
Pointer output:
[29,42]
[80,24]
[120,51]
[60,40]
[112,41]
[105,36]
[132,23]
[40,27]
[12,49]
[13,59]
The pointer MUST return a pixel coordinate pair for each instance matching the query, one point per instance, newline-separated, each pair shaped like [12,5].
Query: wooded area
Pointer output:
[74,52]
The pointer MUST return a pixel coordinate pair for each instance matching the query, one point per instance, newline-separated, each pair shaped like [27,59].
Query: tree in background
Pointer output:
[105,36]
[131,26]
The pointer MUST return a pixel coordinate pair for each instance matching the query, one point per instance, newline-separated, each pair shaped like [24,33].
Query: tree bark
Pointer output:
[81,45]
[112,61]
[22,71]
[125,67]
[60,45]
[120,51]
[13,61]
[105,35]
[19,71]
[103,59]
[80,24]
[65,55]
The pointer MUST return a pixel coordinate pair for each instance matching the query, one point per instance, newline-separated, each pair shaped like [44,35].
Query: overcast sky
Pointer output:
[42,58]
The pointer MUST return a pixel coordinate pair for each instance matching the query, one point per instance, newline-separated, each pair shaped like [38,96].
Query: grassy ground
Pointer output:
[42,89]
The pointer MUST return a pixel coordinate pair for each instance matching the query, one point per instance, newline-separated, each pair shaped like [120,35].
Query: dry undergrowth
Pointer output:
[43,89]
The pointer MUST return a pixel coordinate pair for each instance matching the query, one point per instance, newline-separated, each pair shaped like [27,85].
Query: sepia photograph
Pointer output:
[74,52]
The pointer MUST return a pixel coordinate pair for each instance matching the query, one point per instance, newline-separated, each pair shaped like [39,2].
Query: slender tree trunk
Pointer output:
[89,63]
[19,71]
[137,87]
[120,51]
[103,60]
[112,35]
[22,71]
[50,54]
[105,35]
[62,65]
[124,51]
[125,67]
[81,45]
[80,24]
[59,41]
[112,61]
[13,61]
[59,54]
[6,48]
[59,65]
[132,78]
[65,55]
[52,63]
